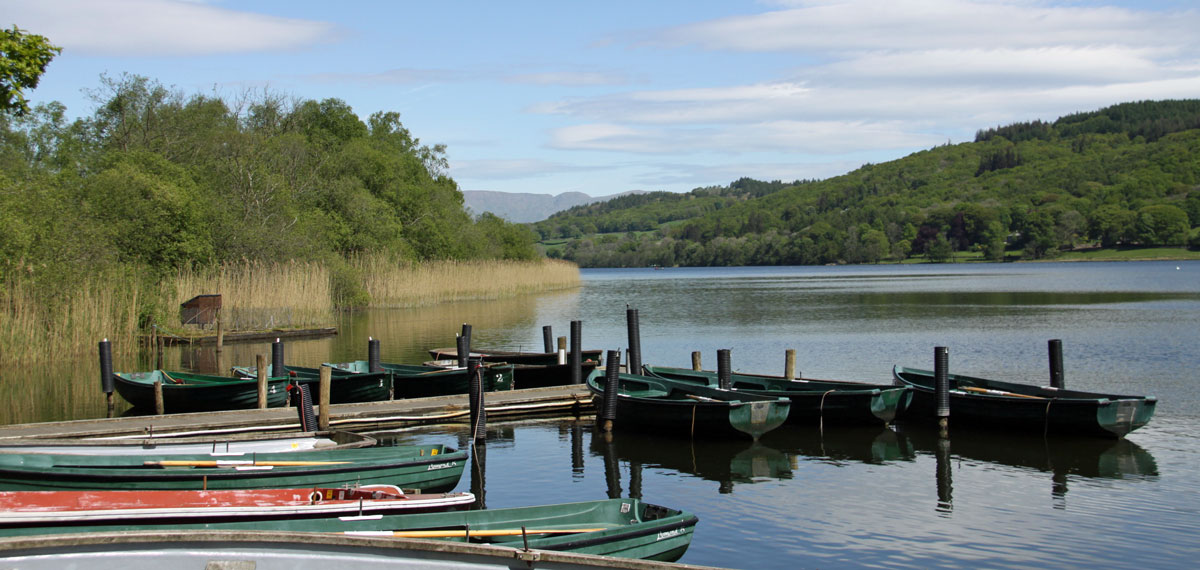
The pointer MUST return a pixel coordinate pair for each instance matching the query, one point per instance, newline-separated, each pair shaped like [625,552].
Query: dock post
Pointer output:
[789,364]
[278,368]
[1056,364]
[323,398]
[612,385]
[696,360]
[261,362]
[304,407]
[941,375]
[475,393]
[633,326]
[158,352]
[220,334]
[562,350]
[724,369]
[373,364]
[466,333]
[576,359]
[159,407]
[548,338]
[106,374]
[462,348]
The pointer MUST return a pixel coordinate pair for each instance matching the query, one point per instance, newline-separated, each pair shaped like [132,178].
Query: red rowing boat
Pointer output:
[57,507]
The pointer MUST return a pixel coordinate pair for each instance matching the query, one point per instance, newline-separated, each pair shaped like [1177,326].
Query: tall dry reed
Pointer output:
[36,329]
[261,295]
[397,284]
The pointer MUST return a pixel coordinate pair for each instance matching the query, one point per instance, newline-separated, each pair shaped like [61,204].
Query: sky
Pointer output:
[611,96]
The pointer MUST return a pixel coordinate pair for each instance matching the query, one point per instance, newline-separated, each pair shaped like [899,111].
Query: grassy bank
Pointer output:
[38,323]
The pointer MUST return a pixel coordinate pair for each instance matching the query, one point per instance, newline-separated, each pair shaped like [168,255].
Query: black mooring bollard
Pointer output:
[724,369]
[548,339]
[461,348]
[277,366]
[1056,364]
[612,387]
[941,376]
[373,363]
[107,385]
[635,341]
[478,411]
[575,359]
[944,475]
[304,407]
[466,333]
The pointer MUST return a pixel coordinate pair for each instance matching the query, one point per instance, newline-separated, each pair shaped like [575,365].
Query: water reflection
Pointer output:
[865,444]
[726,462]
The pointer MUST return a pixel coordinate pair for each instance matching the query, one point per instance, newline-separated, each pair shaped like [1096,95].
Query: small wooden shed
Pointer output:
[200,310]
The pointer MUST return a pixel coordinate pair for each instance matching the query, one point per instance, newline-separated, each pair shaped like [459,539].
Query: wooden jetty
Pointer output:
[365,416]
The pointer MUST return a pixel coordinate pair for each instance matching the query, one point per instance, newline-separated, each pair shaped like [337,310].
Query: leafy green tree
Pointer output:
[1162,225]
[23,60]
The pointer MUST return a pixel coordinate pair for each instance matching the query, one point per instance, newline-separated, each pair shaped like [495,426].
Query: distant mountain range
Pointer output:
[524,208]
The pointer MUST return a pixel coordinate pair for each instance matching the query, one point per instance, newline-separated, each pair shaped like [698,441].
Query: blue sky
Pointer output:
[606,97]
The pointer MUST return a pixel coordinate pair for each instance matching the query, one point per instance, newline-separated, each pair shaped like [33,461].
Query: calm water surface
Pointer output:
[803,497]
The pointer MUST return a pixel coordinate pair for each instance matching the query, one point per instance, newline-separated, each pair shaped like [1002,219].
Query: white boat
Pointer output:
[223,445]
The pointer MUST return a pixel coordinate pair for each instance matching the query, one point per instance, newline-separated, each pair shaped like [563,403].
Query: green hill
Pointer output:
[1120,176]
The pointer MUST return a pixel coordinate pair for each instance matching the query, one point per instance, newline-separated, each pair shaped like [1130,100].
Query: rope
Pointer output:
[693,431]
[1046,419]
[821,410]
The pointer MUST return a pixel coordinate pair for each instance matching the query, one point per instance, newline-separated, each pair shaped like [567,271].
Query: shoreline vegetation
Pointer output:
[255,295]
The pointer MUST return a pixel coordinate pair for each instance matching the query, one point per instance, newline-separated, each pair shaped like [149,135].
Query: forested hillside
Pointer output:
[1124,175]
[158,180]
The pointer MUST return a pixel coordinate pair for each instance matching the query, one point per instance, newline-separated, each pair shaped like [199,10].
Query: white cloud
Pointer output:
[570,78]
[162,27]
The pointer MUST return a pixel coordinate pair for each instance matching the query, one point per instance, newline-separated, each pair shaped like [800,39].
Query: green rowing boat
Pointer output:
[187,392]
[433,468]
[666,406]
[419,381]
[1006,405]
[627,528]
[813,401]
[345,387]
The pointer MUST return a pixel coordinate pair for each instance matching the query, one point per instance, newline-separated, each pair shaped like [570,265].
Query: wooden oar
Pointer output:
[463,533]
[236,463]
[997,392]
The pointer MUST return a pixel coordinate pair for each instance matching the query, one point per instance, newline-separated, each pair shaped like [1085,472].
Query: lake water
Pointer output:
[806,497]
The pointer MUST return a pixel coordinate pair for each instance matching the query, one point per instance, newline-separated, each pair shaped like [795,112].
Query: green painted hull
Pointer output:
[512,356]
[419,381]
[658,405]
[812,400]
[186,392]
[1023,407]
[344,387]
[631,528]
[432,468]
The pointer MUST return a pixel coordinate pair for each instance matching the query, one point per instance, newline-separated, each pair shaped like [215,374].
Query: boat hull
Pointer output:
[344,387]
[1026,408]
[431,468]
[512,356]
[419,381]
[627,528]
[813,401]
[196,392]
[661,406]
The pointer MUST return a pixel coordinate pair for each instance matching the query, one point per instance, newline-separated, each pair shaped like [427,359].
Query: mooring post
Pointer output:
[106,374]
[373,363]
[576,359]
[278,368]
[475,394]
[478,483]
[462,349]
[724,369]
[789,364]
[220,334]
[158,352]
[562,350]
[944,476]
[159,407]
[633,327]
[323,397]
[548,338]
[466,333]
[612,386]
[941,376]
[1056,364]
[260,362]
[696,360]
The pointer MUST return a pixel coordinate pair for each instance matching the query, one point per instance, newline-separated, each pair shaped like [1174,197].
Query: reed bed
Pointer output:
[261,295]
[392,284]
[98,307]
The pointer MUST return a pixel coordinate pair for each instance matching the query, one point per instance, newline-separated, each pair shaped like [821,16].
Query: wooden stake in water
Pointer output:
[323,398]
[260,361]
[789,364]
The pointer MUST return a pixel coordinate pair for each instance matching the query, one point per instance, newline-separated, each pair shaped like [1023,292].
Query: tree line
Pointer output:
[1124,175]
